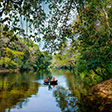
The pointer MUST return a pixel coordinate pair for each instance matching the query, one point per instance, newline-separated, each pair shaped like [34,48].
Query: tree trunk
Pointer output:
[110,36]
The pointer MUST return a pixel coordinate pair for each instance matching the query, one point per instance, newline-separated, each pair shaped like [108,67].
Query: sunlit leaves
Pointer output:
[90,25]
[14,54]
[8,62]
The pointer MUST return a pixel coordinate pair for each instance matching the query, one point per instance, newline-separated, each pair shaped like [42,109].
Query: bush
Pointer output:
[8,63]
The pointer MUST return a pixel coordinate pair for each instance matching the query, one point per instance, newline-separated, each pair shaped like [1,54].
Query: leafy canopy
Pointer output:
[27,16]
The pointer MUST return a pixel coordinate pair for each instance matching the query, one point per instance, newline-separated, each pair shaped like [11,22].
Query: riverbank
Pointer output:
[9,70]
[99,98]
[104,89]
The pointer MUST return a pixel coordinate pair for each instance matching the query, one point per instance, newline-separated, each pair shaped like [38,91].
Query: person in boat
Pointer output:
[50,78]
[47,79]
[53,79]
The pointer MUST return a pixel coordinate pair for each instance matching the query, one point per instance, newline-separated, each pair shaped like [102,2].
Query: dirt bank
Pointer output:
[104,89]
[7,70]
[99,98]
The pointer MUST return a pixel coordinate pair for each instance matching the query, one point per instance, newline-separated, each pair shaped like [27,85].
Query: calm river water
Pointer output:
[25,92]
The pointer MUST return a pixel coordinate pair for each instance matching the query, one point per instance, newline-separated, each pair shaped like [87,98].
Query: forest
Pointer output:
[67,42]
[23,54]
[77,35]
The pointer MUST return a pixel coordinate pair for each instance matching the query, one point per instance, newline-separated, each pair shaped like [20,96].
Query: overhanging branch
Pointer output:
[69,10]
[20,2]
[5,7]
[110,36]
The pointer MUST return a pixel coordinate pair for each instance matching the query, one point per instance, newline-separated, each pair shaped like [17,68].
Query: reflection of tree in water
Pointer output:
[66,101]
[69,101]
[15,89]
[86,102]
[94,103]
[76,85]
[42,74]
[78,97]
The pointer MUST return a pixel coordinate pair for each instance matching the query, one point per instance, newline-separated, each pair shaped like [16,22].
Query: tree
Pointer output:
[91,13]
[15,13]
[92,26]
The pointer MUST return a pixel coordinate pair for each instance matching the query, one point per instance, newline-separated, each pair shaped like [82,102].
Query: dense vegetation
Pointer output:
[16,52]
[89,33]
[90,55]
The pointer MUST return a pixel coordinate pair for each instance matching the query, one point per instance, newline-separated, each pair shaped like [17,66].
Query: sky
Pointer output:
[46,9]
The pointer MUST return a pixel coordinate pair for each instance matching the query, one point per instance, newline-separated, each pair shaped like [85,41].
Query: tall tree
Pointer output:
[55,25]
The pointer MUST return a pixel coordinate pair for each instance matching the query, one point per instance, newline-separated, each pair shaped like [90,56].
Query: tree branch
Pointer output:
[76,7]
[5,7]
[110,36]
[97,73]
[69,10]
[78,11]
[5,19]
[20,2]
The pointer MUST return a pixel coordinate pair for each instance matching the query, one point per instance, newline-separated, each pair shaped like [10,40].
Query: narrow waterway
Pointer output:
[25,92]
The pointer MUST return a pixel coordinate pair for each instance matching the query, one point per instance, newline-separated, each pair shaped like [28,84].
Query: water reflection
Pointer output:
[77,98]
[69,95]
[94,103]
[65,100]
[15,89]
[26,92]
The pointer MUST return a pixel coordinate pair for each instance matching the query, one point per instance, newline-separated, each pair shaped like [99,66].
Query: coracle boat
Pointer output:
[50,82]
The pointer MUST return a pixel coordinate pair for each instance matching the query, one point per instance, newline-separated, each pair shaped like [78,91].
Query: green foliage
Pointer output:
[90,34]
[14,53]
[87,80]
[22,54]
[8,62]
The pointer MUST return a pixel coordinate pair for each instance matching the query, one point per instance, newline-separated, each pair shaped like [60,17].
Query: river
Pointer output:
[25,92]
